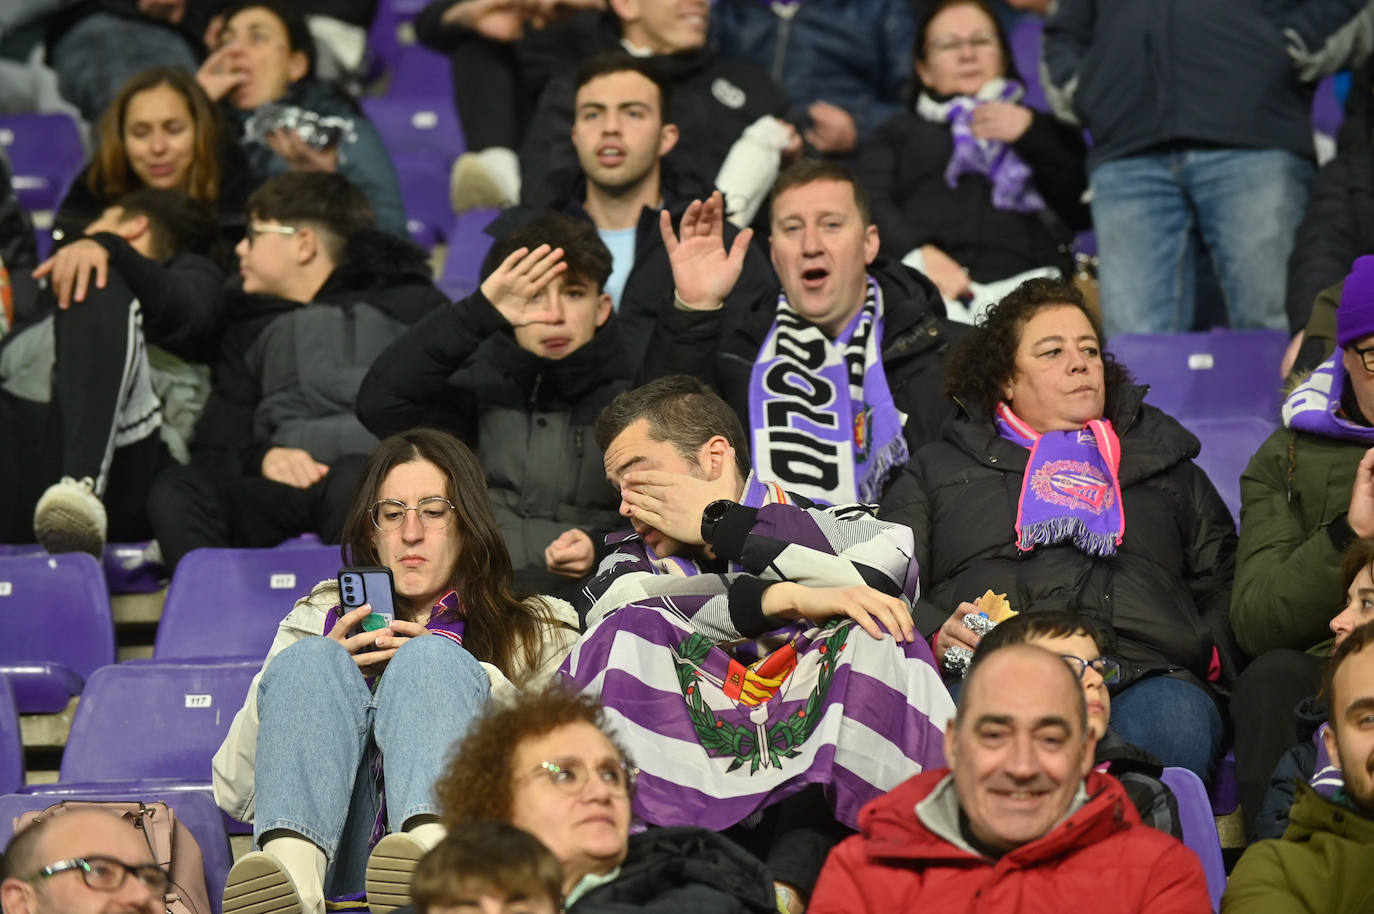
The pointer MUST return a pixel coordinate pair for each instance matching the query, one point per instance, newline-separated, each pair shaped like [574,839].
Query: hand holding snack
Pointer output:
[966,628]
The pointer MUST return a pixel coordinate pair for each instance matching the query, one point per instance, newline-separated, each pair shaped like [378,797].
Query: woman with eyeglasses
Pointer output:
[1060,487]
[547,763]
[1083,646]
[343,731]
[971,186]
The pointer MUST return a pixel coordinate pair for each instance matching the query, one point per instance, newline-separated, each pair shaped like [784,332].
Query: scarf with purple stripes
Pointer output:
[1013,187]
[1314,406]
[823,421]
[1070,490]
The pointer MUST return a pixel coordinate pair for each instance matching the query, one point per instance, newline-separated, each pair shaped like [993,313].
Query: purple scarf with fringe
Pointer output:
[1013,187]
[822,417]
[1070,490]
[1314,406]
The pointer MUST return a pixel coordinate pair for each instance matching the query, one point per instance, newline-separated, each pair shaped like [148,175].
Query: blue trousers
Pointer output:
[1174,720]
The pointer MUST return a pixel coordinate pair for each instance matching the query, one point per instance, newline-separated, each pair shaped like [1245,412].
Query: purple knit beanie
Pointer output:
[1355,317]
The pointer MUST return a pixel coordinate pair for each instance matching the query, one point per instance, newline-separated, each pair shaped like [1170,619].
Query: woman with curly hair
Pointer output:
[1060,488]
[547,763]
[344,729]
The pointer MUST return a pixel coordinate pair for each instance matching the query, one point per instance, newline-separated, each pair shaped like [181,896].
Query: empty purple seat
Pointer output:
[194,808]
[228,602]
[59,629]
[1220,374]
[1227,446]
[424,191]
[128,569]
[1199,828]
[1025,51]
[11,743]
[426,127]
[468,244]
[45,153]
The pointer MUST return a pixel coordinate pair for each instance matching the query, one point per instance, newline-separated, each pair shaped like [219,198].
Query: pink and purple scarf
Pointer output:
[1070,490]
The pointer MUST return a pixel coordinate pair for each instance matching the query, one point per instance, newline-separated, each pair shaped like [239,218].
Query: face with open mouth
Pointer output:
[1019,749]
[618,130]
[821,246]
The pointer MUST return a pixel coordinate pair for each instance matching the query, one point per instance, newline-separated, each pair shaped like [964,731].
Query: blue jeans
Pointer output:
[321,730]
[95,57]
[1174,720]
[1245,205]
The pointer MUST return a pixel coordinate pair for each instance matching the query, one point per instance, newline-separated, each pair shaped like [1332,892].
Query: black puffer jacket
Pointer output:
[529,419]
[713,100]
[720,348]
[902,167]
[1167,591]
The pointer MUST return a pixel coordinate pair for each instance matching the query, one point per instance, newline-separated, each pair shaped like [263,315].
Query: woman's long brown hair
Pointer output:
[499,625]
[111,177]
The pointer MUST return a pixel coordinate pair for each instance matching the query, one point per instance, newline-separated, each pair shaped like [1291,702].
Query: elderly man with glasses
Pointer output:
[278,449]
[86,862]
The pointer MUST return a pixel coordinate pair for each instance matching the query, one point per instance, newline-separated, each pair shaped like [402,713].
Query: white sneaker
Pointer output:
[259,884]
[70,518]
[389,869]
[480,180]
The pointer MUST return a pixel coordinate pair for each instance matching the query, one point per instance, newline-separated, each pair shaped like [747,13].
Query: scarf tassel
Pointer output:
[1059,529]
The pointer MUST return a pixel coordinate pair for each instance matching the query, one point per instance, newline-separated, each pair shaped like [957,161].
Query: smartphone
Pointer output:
[371,585]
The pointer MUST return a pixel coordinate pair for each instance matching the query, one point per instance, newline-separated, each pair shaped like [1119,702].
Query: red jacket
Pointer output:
[1100,859]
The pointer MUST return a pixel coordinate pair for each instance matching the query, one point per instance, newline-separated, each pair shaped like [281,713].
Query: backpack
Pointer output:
[173,846]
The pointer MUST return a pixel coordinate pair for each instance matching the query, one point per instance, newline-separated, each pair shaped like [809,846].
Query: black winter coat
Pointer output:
[1166,593]
[903,165]
[720,348]
[713,100]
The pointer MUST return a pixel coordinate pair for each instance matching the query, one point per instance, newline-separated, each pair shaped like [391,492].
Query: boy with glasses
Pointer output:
[278,449]
[84,862]
[1083,646]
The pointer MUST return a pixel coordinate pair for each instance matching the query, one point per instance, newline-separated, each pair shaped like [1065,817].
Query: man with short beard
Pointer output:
[1322,863]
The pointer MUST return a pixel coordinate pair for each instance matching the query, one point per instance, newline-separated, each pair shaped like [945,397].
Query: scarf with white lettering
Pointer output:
[1070,490]
[1013,187]
[823,422]
[1314,406]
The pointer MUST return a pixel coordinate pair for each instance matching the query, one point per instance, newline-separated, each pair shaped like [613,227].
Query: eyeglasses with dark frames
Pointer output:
[106,874]
[1366,357]
[435,513]
[1107,668]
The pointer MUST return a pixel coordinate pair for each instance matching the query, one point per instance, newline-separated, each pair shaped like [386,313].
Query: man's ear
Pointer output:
[870,243]
[1333,748]
[714,456]
[604,307]
[133,227]
[297,66]
[18,897]
[1089,753]
[667,139]
[307,245]
[951,741]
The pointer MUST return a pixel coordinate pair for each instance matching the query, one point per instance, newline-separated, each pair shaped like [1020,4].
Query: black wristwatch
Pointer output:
[713,514]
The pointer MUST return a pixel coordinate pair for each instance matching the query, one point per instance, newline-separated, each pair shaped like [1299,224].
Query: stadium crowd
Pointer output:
[773,527]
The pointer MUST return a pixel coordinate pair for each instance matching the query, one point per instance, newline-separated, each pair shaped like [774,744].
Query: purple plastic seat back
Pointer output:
[154,720]
[1214,375]
[1227,446]
[1327,114]
[128,570]
[1025,51]
[423,138]
[11,743]
[1225,792]
[1199,828]
[228,602]
[44,152]
[468,244]
[56,611]
[194,808]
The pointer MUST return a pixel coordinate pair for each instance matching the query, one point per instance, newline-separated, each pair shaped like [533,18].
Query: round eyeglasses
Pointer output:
[1107,668]
[571,776]
[106,874]
[435,513]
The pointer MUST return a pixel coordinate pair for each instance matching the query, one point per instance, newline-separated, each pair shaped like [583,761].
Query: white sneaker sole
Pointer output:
[258,885]
[67,528]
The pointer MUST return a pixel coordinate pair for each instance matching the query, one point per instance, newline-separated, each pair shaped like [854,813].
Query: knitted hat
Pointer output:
[1355,317]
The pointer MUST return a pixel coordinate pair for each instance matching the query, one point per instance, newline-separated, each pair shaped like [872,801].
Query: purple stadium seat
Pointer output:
[11,744]
[1220,374]
[60,627]
[1025,51]
[1225,793]
[194,808]
[1327,113]
[228,602]
[1199,828]
[420,127]
[424,191]
[45,153]
[468,244]
[127,569]
[151,719]
[1227,446]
